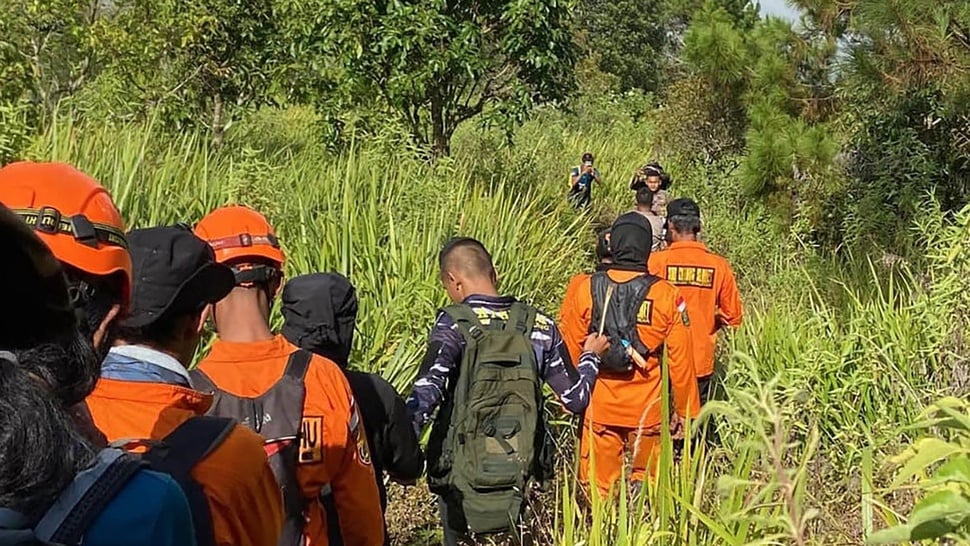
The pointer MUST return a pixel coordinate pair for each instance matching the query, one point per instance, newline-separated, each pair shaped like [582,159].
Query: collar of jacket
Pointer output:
[124,355]
[687,244]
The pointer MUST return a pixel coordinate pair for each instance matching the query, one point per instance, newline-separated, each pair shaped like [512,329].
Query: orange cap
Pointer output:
[237,232]
[72,213]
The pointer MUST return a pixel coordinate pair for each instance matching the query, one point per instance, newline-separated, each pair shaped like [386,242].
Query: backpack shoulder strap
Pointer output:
[298,364]
[68,519]
[522,318]
[462,313]
[179,452]
[599,283]
[201,382]
[467,321]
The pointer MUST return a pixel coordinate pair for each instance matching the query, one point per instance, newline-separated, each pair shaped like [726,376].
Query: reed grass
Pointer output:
[832,359]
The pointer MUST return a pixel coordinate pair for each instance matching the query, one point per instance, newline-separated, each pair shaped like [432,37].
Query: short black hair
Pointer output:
[588,156]
[466,255]
[603,246]
[645,197]
[40,448]
[160,332]
[686,224]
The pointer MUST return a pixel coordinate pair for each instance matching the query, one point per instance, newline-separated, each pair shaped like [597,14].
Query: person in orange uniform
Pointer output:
[145,393]
[76,218]
[248,359]
[704,279]
[643,315]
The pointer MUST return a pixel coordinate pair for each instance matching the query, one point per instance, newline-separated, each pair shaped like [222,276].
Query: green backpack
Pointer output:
[483,451]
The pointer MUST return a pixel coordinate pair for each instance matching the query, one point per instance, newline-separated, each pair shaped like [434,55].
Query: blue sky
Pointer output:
[778,8]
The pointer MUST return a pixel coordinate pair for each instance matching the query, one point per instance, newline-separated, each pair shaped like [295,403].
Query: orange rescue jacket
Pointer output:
[707,283]
[244,499]
[633,400]
[334,447]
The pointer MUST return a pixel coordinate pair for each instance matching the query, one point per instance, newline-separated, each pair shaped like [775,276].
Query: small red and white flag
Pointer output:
[682,309]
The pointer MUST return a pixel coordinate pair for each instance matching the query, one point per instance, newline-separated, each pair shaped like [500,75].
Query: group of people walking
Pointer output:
[108,435]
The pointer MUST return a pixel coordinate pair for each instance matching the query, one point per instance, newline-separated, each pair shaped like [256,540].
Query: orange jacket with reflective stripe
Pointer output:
[334,447]
[244,499]
[707,283]
[633,400]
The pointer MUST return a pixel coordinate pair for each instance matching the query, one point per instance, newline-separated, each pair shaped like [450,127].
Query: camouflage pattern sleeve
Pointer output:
[573,386]
[441,362]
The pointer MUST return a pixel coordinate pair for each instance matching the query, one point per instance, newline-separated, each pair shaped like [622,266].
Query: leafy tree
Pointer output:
[757,86]
[628,38]
[194,60]
[703,117]
[45,50]
[902,97]
[438,63]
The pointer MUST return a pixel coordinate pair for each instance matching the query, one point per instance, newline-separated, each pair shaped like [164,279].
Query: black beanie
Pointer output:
[631,238]
[320,312]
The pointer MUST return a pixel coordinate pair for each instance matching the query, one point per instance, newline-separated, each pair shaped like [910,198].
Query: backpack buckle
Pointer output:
[476,333]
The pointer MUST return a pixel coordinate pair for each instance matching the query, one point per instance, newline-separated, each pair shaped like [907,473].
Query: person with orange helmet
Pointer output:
[145,393]
[300,402]
[76,218]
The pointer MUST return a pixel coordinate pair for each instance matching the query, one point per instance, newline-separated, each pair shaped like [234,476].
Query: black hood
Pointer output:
[630,240]
[320,311]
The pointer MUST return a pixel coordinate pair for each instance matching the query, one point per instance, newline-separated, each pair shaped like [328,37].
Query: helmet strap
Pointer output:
[250,275]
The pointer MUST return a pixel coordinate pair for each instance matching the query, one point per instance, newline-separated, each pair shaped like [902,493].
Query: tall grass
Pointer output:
[835,356]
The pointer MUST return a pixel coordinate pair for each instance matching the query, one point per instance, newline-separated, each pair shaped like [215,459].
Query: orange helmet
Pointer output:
[72,214]
[236,233]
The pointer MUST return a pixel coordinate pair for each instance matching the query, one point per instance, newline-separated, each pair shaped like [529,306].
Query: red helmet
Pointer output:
[237,233]
[72,213]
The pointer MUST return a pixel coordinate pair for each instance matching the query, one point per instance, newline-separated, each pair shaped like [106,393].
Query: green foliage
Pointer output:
[715,47]
[46,49]
[903,110]
[15,129]
[192,62]
[628,39]
[942,467]
[437,64]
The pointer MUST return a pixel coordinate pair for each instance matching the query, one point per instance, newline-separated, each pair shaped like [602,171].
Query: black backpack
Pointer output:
[628,306]
[68,519]
[277,415]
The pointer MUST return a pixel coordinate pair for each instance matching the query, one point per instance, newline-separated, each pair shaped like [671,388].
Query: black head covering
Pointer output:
[36,296]
[320,311]
[630,240]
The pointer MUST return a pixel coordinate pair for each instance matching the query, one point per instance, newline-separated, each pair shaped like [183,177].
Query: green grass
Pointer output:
[836,354]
